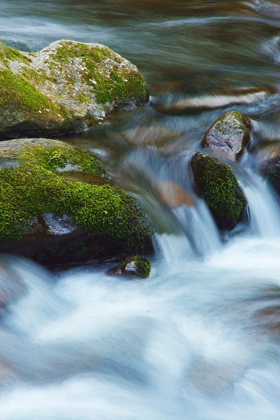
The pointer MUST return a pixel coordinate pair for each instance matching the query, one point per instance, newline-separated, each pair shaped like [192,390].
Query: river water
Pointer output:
[199,339]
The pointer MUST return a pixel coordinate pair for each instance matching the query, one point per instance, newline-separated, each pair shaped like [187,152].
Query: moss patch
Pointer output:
[219,187]
[142,265]
[57,157]
[10,54]
[68,86]
[31,191]
[17,93]
[109,82]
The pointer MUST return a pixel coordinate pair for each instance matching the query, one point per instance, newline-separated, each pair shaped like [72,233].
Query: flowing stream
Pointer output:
[199,339]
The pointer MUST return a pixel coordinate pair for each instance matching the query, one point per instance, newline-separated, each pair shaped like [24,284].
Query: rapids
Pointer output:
[199,339]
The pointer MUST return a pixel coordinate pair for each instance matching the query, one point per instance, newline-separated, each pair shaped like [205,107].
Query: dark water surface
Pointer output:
[199,340]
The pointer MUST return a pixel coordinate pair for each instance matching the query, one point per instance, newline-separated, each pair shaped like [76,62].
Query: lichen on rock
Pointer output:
[217,184]
[229,135]
[67,86]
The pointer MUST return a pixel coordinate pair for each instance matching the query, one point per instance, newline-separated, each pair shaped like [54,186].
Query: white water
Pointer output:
[195,341]
[199,339]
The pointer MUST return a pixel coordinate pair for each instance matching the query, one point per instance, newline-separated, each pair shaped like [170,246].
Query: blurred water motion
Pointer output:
[199,339]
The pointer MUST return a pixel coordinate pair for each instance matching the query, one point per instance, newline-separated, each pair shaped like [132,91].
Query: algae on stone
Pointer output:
[217,184]
[31,187]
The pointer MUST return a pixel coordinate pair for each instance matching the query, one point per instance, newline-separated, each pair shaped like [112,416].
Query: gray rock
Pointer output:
[229,135]
[67,86]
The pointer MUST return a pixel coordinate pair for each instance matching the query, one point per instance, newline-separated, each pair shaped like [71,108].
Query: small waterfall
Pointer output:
[198,235]
[263,207]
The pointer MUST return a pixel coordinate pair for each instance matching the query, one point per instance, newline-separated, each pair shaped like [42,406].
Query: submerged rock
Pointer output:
[52,219]
[67,86]
[229,135]
[136,266]
[217,184]
[214,99]
[174,195]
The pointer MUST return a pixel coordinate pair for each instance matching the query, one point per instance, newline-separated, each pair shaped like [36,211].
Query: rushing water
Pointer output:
[199,339]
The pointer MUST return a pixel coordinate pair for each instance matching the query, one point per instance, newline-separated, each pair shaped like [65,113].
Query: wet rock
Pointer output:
[212,100]
[136,266]
[229,135]
[217,184]
[48,217]
[67,86]
[173,195]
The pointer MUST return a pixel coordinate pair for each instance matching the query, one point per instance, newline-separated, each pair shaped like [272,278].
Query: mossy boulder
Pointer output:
[229,135]
[47,216]
[67,86]
[134,266]
[217,184]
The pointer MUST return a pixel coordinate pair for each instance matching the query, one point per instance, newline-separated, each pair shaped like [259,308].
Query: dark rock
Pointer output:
[229,135]
[217,184]
[135,266]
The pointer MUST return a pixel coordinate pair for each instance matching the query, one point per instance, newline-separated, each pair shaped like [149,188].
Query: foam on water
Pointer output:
[190,341]
[199,339]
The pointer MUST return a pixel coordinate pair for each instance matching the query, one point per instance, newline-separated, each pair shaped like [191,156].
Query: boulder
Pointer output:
[217,184]
[135,266]
[67,86]
[229,135]
[51,218]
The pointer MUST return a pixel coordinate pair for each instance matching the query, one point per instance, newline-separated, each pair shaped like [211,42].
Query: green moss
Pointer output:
[34,76]
[57,157]
[116,85]
[143,266]
[13,55]
[8,53]
[17,93]
[30,191]
[220,189]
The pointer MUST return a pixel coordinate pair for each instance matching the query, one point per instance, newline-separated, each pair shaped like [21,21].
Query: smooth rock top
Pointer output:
[67,86]
[229,135]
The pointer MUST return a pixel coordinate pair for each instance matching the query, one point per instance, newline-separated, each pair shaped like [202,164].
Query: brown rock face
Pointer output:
[229,135]
[173,195]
